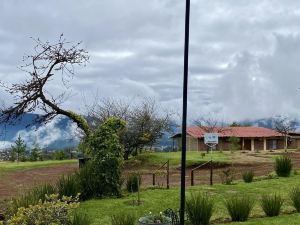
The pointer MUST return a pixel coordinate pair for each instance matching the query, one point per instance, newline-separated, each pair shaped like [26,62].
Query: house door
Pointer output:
[274,144]
[247,144]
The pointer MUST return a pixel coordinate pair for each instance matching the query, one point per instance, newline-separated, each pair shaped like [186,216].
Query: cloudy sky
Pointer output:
[244,55]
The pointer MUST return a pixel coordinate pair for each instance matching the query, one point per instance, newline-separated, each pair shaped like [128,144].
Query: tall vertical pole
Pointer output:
[184,110]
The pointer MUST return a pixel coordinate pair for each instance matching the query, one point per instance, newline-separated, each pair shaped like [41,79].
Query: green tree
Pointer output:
[35,153]
[19,148]
[107,157]
[234,144]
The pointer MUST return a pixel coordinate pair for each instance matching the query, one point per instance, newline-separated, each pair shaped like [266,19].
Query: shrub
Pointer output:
[199,209]
[80,218]
[31,198]
[153,218]
[283,166]
[271,204]
[123,219]
[295,197]
[174,215]
[86,182]
[239,208]
[227,176]
[133,182]
[51,211]
[68,186]
[248,176]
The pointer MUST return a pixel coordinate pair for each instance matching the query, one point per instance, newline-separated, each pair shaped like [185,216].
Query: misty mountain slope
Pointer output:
[58,133]
[61,132]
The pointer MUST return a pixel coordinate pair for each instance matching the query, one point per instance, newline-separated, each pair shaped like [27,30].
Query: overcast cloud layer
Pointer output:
[244,55]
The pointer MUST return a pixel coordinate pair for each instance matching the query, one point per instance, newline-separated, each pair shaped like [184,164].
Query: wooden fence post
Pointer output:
[168,174]
[153,179]
[192,177]
[211,172]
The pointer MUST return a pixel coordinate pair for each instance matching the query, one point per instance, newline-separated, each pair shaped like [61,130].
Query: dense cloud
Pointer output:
[244,55]
[52,132]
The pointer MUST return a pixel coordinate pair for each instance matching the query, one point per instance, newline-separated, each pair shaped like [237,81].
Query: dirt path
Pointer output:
[15,183]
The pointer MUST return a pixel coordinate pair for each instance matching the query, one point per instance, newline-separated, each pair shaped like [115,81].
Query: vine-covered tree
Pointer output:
[107,157]
[47,62]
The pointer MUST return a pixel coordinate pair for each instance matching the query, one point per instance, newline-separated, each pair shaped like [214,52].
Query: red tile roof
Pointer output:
[197,132]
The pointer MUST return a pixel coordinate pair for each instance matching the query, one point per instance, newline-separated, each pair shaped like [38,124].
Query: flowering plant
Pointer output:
[155,219]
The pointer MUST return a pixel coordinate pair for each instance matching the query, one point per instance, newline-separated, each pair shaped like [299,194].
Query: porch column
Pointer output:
[265,144]
[252,144]
[243,143]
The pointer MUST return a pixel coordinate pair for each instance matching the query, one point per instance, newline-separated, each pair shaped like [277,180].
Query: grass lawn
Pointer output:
[193,157]
[6,167]
[156,200]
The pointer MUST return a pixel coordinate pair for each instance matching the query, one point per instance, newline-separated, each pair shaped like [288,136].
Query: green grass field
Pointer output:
[156,200]
[193,157]
[6,167]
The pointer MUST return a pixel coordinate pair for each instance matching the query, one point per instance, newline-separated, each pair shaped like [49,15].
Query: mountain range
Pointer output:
[61,132]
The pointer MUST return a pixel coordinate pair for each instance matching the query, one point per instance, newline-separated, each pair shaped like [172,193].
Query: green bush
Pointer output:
[86,182]
[68,186]
[51,211]
[239,208]
[248,176]
[271,204]
[80,218]
[199,209]
[227,176]
[133,182]
[283,166]
[123,219]
[295,197]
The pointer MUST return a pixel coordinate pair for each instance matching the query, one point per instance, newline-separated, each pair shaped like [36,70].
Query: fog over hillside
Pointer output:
[63,133]
[58,133]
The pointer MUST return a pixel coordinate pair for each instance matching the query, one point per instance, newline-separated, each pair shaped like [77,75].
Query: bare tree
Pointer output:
[210,125]
[284,126]
[146,121]
[47,61]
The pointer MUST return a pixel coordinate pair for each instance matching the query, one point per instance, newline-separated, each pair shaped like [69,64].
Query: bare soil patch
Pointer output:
[18,182]
[15,183]
[262,165]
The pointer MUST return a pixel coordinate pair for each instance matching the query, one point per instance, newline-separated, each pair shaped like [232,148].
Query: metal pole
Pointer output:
[184,110]
[211,166]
